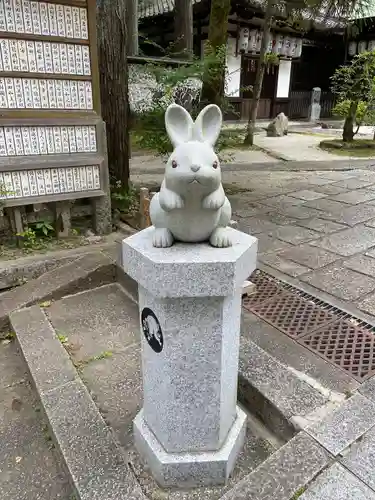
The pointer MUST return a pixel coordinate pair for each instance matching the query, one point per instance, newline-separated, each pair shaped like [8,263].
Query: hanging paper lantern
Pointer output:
[286,46]
[278,44]
[243,42]
[253,41]
[293,47]
[259,40]
[298,47]
[362,46]
[271,43]
[352,48]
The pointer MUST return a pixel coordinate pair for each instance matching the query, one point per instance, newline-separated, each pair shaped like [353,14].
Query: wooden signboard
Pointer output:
[52,138]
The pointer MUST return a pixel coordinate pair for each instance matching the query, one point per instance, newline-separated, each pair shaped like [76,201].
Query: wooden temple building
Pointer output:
[309,52]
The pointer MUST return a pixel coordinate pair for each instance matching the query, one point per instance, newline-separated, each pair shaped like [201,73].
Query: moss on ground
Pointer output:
[363,148]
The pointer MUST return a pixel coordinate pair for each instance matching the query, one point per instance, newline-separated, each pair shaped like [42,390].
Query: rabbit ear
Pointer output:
[207,126]
[178,124]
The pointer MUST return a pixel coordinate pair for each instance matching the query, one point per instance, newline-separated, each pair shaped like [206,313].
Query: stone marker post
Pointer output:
[190,267]
[190,429]
[315,108]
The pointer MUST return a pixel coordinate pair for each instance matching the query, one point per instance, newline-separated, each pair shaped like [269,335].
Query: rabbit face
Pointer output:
[193,166]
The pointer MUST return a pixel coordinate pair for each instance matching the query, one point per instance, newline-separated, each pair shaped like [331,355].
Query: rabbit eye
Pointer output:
[174,164]
[214,164]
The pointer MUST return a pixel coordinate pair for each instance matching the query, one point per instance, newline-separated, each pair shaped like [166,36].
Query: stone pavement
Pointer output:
[318,228]
[297,147]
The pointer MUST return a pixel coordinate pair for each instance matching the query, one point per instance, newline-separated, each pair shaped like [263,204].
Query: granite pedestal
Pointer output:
[190,429]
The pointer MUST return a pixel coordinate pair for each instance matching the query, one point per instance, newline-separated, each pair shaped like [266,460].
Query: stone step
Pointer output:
[83,273]
[285,402]
[95,463]
[100,329]
[102,333]
[30,466]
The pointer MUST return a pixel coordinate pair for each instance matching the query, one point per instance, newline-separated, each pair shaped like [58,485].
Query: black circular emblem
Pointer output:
[152,329]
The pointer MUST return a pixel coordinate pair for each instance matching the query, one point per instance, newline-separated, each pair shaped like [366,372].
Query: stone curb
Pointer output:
[273,154]
[16,271]
[284,473]
[19,271]
[94,462]
[274,393]
[85,272]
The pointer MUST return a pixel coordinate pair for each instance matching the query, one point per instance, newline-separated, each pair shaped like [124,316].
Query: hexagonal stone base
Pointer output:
[190,469]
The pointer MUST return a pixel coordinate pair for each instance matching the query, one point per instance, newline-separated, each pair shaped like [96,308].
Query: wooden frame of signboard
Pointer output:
[52,137]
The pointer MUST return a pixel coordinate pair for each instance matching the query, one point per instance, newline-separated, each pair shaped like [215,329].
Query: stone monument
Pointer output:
[190,268]
[278,127]
[315,108]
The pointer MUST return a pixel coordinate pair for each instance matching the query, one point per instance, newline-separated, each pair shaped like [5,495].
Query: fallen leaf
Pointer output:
[47,303]
[18,460]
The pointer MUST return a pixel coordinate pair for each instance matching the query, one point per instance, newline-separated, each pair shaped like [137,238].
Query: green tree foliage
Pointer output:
[361,118]
[354,85]
[173,84]
[214,80]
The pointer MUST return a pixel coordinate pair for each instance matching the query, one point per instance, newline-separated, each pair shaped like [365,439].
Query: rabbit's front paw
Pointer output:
[169,200]
[214,201]
[220,238]
[162,238]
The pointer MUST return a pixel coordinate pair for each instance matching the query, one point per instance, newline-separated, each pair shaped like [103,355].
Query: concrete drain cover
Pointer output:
[336,336]
[346,345]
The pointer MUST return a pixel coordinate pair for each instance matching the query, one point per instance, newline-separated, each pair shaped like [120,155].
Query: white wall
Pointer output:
[233,81]
[283,80]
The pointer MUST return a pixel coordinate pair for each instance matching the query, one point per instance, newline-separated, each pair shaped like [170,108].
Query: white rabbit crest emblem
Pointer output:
[191,205]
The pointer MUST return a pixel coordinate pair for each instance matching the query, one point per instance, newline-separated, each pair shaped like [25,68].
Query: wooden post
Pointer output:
[62,219]
[144,207]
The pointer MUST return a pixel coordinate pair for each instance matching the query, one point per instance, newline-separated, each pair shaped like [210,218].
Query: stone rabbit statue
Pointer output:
[191,205]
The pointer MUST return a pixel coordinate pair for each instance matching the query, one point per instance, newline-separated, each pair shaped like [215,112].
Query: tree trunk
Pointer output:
[348,132]
[183,28]
[113,68]
[249,139]
[214,86]
[132,27]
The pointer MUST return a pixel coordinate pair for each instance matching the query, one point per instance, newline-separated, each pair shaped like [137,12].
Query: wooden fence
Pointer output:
[300,101]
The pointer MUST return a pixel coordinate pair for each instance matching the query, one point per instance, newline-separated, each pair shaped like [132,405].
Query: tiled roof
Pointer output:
[151,8]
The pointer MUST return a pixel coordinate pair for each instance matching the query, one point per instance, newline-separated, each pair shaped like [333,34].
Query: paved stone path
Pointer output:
[317,228]
[297,147]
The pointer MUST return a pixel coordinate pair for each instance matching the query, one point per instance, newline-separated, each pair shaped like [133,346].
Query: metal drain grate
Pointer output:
[345,344]
[333,334]
[292,314]
[266,288]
